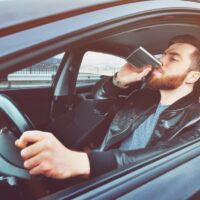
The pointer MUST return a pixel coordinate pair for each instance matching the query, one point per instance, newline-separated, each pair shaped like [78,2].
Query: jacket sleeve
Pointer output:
[106,94]
[102,162]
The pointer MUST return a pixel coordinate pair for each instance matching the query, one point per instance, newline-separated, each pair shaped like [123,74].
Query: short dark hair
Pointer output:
[189,39]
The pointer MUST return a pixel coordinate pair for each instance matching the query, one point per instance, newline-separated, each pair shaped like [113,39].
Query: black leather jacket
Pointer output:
[179,123]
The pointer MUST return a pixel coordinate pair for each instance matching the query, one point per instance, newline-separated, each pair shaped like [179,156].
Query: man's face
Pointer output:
[176,62]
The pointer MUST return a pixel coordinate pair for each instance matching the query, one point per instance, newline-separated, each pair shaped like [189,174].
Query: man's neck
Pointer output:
[168,97]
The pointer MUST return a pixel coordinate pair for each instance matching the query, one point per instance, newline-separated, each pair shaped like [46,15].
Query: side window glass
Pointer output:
[95,65]
[38,75]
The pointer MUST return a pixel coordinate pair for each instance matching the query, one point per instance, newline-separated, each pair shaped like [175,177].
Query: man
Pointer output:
[164,114]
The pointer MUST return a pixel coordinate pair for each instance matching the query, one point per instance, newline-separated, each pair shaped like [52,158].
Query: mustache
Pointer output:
[159,69]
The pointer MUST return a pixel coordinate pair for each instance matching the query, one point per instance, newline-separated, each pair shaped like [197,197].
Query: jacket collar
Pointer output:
[184,102]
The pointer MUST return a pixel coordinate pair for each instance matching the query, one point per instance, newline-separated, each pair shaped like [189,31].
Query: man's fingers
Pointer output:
[34,149]
[145,72]
[29,137]
[36,170]
[33,162]
[42,168]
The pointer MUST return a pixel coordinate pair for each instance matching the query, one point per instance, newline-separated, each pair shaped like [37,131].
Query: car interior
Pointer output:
[67,109]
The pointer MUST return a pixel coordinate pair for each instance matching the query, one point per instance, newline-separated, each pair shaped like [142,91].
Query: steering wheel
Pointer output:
[13,112]
[11,162]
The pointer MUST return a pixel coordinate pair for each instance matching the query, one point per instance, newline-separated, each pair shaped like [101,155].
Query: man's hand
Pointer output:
[44,154]
[129,74]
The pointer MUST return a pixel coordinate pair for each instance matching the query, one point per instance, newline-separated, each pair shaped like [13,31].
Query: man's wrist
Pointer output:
[117,82]
[83,169]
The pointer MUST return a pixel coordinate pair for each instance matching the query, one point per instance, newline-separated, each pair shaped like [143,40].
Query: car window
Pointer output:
[38,75]
[96,64]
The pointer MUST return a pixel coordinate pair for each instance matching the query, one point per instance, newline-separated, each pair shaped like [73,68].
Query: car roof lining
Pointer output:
[120,43]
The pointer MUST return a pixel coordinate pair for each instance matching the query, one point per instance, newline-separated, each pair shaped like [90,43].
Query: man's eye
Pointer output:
[173,59]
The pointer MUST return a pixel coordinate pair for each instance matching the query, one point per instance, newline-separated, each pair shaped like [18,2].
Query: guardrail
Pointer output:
[47,77]
[30,77]
[17,80]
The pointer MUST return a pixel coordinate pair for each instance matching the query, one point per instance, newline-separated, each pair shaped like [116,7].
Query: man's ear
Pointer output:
[192,77]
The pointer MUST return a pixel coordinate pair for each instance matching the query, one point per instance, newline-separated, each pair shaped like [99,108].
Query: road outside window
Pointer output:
[38,75]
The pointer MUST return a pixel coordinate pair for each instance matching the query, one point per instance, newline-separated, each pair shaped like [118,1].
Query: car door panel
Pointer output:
[35,102]
[171,175]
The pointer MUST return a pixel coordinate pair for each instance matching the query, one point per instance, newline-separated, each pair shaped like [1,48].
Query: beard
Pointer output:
[166,82]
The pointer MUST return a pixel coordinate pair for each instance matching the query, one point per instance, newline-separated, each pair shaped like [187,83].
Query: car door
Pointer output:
[172,175]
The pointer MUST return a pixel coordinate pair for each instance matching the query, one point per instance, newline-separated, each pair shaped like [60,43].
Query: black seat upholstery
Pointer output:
[80,125]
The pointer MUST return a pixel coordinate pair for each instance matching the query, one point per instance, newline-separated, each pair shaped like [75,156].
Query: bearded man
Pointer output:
[161,115]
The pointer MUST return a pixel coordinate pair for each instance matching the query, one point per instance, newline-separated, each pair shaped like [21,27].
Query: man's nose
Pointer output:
[161,59]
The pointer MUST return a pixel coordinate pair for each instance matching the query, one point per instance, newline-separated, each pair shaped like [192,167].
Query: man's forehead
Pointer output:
[181,49]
